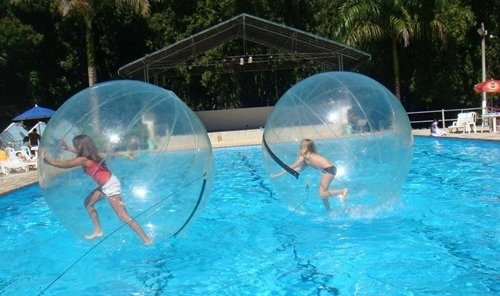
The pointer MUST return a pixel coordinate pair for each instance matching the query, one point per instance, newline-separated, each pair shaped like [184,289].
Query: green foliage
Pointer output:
[19,45]
[44,56]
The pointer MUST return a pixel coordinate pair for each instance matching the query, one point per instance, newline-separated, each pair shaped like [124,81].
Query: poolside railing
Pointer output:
[423,119]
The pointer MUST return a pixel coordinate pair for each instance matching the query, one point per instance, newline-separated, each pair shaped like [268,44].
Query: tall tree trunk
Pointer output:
[89,40]
[395,60]
[94,104]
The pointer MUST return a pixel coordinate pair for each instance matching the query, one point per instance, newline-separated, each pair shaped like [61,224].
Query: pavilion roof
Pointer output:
[292,42]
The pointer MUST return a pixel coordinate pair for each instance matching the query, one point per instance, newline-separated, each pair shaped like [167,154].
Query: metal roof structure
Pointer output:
[293,42]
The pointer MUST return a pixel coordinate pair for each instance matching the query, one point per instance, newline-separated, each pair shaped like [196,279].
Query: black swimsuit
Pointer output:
[330,170]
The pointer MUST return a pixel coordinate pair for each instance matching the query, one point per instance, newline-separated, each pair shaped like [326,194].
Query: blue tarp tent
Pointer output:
[13,135]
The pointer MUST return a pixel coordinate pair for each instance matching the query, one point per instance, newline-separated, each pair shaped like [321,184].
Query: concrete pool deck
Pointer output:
[17,180]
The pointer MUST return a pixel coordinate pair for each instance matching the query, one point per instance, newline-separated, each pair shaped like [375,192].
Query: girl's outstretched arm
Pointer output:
[297,166]
[79,161]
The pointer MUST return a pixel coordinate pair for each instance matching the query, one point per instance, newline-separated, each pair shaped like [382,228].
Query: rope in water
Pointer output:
[125,224]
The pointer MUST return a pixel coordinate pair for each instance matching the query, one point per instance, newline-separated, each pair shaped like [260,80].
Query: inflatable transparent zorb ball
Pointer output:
[357,124]
[150,140]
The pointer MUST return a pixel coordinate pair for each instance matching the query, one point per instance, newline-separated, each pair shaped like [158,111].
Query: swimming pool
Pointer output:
[443,239]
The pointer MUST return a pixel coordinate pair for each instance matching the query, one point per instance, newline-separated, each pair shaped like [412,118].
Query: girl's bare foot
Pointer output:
[344,195]
[94,235]
[147,241]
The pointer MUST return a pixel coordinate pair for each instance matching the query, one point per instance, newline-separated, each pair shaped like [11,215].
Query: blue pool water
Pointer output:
[441,239]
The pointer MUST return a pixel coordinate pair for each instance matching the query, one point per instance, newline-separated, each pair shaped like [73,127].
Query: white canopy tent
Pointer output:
[40,127]
[13,135]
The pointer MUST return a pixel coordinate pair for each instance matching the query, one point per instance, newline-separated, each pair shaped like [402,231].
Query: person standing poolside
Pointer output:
[88,157]
[308,155]
[34,138]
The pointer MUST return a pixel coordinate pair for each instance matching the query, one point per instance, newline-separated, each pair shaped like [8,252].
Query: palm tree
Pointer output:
[395,20]
[86,11]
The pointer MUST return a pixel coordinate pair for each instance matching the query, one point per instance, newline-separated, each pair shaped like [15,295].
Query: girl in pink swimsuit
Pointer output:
[308,155]
[109,186]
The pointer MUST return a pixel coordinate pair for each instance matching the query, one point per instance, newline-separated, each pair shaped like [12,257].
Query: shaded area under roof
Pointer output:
[333,55]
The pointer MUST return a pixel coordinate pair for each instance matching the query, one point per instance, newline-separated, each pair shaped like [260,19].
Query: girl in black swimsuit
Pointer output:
[310,156]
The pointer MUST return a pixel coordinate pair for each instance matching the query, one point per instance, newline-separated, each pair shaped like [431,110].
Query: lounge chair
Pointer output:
[8,165]
[467,121]
[15,163]
[26,151]
[30,159]
[11,153]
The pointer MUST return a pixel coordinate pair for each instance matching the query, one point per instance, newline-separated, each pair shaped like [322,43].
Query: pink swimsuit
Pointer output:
[99,172]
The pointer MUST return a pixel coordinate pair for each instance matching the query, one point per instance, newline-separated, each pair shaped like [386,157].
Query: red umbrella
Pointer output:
[489,86]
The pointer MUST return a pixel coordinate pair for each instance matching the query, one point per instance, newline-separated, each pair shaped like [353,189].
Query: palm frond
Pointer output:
[76,7]
[140,7]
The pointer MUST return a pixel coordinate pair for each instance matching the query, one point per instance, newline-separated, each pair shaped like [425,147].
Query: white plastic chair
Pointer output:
[471,121]
[461,122]
[467,121]
[11,153]
[25,150]
[15,163]
[8,165]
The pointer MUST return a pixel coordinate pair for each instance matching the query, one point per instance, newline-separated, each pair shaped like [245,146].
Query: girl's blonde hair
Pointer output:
[307,145]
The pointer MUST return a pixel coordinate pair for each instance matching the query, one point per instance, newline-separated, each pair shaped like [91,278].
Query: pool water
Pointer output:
[442,238]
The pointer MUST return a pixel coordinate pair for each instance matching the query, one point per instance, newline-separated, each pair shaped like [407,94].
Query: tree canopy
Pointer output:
[427,52]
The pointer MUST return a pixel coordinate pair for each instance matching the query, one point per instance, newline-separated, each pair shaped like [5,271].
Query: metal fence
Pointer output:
[423,119]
